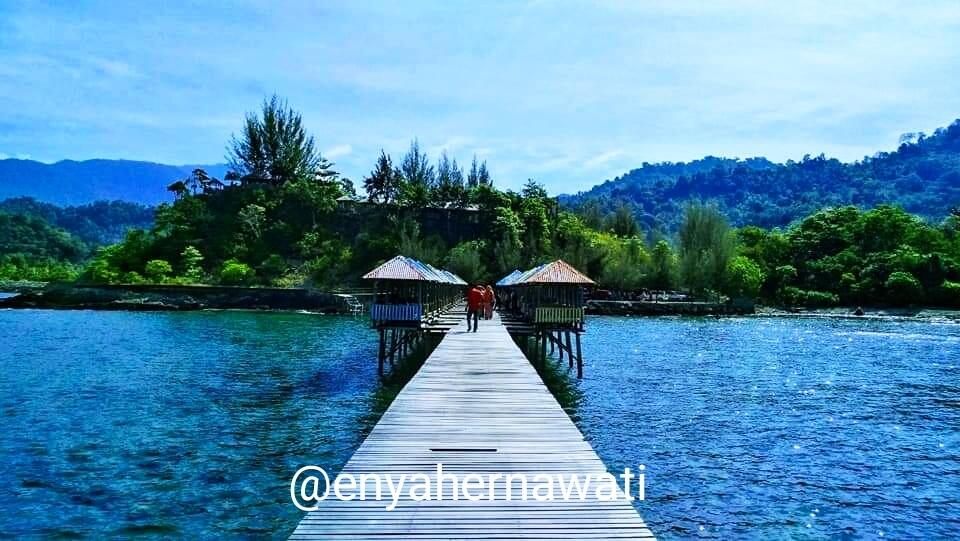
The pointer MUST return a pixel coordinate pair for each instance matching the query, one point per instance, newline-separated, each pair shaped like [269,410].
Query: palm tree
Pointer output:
[179,188]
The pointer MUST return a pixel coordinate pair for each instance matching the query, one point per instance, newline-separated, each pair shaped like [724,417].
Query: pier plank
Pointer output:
[476,406]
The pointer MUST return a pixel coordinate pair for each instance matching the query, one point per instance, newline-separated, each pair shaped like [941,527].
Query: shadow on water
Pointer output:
[555,375]
[394,380]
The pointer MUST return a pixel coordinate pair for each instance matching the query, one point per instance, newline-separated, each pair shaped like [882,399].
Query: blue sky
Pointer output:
[567,93]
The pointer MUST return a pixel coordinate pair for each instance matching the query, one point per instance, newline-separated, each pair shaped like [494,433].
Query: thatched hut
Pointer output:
[550,294]
[550,299]
[406,291]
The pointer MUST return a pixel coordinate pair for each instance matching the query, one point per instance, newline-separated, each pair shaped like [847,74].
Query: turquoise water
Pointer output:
[190,425]
[780,428]
[167,424]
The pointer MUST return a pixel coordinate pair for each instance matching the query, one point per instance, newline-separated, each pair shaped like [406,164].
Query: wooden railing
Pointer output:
[396,312]
[558,314]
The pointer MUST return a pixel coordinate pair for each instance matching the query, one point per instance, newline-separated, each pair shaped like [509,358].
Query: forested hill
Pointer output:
[922,176]
[40,241]
[77,183]
[95,224]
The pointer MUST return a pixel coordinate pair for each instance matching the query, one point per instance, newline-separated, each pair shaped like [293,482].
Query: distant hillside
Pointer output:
[922,176]
[77,183]
[103,222]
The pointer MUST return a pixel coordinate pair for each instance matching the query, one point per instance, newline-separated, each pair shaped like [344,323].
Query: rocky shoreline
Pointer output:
[173,298]
[649,308]
[912,313]
[667,308]
[143,297]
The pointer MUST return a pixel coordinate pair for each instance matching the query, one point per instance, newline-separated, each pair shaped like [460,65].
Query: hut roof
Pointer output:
[508,279]
[406,268]
[557,272]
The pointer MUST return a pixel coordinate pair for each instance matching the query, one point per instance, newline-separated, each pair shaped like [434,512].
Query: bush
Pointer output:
[157,270]
[192,264]
[235,273]
[743,278]
[99,271]
[132,278]
[794,296]
[273,267]
[903,288]
[295,278]
[949,294]
[466,260]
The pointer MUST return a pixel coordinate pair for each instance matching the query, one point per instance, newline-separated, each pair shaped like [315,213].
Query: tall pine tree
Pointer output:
[383,183]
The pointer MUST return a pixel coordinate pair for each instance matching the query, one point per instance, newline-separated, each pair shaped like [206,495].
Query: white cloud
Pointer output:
[337,151]
[450,146]
[567,93]
[602,159]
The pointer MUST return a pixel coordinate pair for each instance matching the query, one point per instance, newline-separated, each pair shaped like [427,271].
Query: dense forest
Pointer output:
[43,242]
[284,217]
[922,176]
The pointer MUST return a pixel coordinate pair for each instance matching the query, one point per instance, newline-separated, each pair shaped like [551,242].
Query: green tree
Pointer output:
[235,273]
[507,248]
[592,215]
[467,261]
[536,223]
[706,246]
[663,267]
[274,147]
[622,222]
[743,278]
[450,188]
[419,178]
[304,201]
[411,244]
[624,264]
[192,261]
[157,270]
[473,177]
[483,175]
[949,294]
[384,182]
[903,288]
[328,260]
[577,244]
[885,228]
[252,219]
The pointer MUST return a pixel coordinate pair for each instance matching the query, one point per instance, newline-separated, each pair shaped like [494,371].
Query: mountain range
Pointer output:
[922,176]
[70,182]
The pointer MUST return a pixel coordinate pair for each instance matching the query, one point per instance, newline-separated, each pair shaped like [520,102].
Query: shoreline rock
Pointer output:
[667,308]
[139,297]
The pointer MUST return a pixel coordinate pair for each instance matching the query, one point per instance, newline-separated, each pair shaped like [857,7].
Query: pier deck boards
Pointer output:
[475,393]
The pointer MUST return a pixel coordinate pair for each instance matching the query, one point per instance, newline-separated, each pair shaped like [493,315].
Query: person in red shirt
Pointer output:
[474,306]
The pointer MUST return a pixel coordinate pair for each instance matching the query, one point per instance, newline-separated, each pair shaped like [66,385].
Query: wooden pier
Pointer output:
[476,406]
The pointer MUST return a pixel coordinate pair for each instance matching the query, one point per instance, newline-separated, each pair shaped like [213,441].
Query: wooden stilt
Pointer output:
[560,344]
[382,352]
[569,351]
[543,349]
[393,344]
[579,359]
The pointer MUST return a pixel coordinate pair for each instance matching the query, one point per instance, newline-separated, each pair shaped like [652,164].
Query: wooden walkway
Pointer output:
[476,406]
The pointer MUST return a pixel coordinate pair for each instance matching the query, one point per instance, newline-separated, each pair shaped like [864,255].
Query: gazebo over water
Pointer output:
[550,298]
[407,290]
[407,295]
[551,293]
